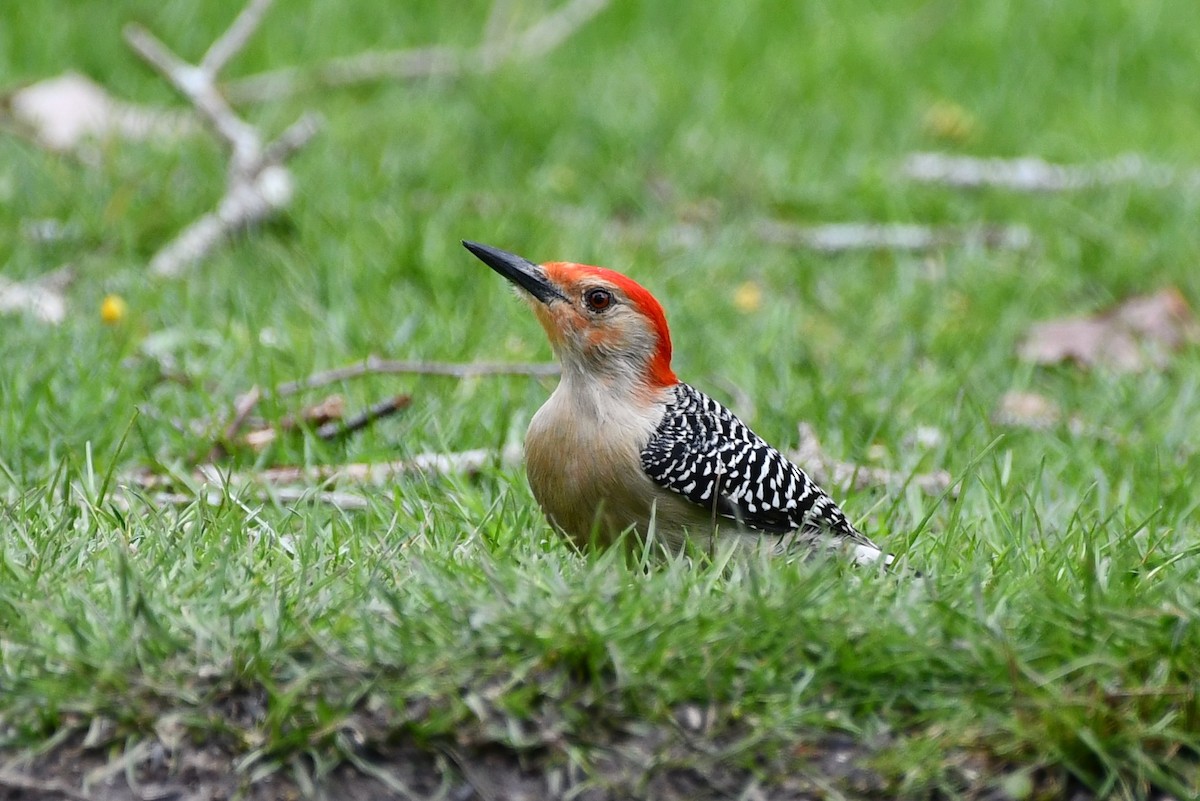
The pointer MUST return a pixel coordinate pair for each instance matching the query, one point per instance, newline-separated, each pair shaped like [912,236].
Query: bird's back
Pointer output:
[704,453]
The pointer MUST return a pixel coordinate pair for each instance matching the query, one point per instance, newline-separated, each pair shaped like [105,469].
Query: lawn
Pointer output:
[438,640]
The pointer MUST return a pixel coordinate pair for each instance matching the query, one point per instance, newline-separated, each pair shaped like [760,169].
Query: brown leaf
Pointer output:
[1026,410]
[1132,335]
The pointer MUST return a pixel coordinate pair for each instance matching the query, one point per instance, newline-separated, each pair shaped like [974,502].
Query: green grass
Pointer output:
[1055,629]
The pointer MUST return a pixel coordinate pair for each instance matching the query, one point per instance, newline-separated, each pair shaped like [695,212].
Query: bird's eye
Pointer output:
[598,299]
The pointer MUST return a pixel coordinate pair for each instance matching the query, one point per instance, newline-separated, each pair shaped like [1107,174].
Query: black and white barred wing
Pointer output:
[706,454]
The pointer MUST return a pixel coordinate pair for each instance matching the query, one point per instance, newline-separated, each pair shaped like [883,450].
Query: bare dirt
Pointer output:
[660,764]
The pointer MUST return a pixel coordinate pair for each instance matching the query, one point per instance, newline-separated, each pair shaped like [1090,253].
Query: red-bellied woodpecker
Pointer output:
[622,443]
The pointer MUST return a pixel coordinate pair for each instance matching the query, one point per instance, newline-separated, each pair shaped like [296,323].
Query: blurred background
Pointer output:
[690,148]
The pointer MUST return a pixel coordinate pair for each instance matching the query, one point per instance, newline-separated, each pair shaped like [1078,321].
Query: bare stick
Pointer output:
[376,366]
[258,186]
[294,484]
[543,36]
[241,410]
[425,62]
[64,113]
[337,428]
[331,427]
[328,410]
[427,464]
[1032,174]
[499,21]
[347,501]
[293,138]
[42,297]
[840,237]
[242,407]
[196,85]
[234,40]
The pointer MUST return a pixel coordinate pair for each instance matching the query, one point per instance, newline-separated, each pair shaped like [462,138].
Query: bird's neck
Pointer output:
[625,386]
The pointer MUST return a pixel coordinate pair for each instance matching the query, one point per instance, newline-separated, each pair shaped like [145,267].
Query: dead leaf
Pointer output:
[64,111]
[1139,332]
[1026,410]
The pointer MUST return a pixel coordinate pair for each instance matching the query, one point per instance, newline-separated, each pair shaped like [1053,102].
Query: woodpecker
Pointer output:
[623,444]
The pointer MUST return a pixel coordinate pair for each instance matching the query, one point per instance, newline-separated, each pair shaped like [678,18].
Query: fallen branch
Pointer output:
[325,416]
[61,113]
[1031,174]
[346,501]
[424,62]
[336,429]
[258,186]
[830,472]
[373,365]
[330,409]
[299,484]
[241,412]
[469,463]
[42,297]
[840,237]
[374,474]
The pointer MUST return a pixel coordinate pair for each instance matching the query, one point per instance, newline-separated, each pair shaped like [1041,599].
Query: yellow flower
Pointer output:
[949,121]
[748,297]
[113,309]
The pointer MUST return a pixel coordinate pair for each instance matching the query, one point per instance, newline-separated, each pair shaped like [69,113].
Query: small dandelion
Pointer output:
[113,309]
[748,297]
[949,121]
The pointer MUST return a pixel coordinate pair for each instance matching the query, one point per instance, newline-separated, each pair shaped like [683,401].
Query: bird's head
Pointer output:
[597,320]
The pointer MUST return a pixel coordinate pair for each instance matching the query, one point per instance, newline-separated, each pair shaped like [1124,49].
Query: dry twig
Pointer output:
[327,414]
[335,429]
[258,186]
[43,297]
[424,62]
[373,474]
[373,365]
[241,411]
[427,464]
[328,410]
[347,501]
[299,484]
[1031,174]
[62,113]
[839,237]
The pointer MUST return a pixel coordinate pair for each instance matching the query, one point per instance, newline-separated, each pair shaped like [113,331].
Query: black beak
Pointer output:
[522,272]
